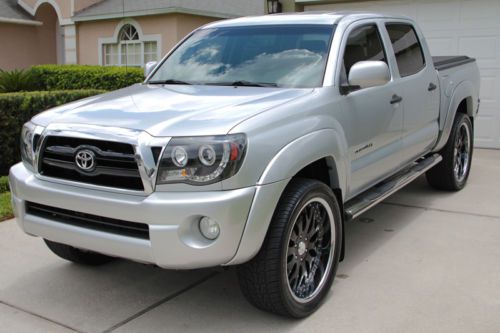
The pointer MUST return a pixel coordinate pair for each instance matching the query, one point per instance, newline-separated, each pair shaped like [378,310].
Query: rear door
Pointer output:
[420,87]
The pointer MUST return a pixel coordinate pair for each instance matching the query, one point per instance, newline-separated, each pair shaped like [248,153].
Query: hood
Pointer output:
[172,110]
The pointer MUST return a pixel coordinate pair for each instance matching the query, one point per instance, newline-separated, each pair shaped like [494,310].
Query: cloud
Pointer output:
[290,68]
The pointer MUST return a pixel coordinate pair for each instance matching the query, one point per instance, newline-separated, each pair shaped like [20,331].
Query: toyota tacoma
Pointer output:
[250,144]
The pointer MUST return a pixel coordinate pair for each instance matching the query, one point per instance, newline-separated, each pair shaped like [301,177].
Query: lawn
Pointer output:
[5,206]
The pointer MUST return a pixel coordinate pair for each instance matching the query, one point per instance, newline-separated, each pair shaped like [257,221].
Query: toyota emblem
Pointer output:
[85,160]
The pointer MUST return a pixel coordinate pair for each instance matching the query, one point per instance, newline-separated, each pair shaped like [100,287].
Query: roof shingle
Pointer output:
[9,9]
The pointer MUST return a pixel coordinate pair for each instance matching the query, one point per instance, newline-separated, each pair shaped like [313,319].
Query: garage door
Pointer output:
[456,27]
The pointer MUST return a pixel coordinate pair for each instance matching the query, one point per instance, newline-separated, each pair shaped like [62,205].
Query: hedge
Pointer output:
[18,108]
[69,77]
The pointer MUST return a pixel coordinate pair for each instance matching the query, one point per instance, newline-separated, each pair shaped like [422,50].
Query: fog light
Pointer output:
[209,228]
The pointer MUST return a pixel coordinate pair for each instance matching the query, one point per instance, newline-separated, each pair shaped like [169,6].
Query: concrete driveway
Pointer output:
[423,261]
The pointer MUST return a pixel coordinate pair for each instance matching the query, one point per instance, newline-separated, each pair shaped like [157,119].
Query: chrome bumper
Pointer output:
[172,217]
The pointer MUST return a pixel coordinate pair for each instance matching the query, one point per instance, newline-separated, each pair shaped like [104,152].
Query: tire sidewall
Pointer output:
[300,310]
[462,119]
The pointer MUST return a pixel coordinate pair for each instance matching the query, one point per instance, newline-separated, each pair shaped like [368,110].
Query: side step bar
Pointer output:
[371,197]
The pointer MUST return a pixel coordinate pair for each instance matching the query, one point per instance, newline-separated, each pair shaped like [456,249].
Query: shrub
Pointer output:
[17,80]
[18,108]
[4,184]
[68,77]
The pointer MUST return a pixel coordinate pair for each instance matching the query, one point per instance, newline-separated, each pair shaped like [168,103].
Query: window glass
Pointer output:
[407,48]
[279,55]
[150,52]
[129,50]
[128,32]
[364,44]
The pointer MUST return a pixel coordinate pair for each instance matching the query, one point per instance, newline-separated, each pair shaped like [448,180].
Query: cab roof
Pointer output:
[310,17]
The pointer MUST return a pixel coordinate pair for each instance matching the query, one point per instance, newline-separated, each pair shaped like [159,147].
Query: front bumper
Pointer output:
[172,217]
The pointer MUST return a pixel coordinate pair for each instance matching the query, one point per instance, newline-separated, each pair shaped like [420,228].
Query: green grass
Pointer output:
[4,184]
[5,206]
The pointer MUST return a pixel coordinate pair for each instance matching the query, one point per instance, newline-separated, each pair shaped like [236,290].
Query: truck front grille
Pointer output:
[88,221]
[115,164]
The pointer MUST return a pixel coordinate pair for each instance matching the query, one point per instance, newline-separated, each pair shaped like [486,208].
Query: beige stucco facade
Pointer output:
[30,44]
[170,28]
[22,39]
[59,34]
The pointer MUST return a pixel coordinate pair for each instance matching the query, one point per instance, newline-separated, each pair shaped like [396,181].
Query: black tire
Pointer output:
[78,256]
[265,280]
[452,173]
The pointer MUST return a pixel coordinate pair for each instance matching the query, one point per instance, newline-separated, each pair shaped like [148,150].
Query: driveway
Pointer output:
[421,261]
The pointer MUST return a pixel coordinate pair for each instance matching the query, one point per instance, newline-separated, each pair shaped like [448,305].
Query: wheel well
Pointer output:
[318,170]
[325,171]
[466,107]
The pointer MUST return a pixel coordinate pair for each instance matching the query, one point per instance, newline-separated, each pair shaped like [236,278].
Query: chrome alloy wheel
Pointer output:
[461,155]
[310,250]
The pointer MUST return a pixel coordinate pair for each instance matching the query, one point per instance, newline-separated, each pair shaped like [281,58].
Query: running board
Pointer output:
[371,197]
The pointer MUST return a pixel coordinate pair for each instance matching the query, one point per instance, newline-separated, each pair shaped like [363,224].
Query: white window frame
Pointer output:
[115,40]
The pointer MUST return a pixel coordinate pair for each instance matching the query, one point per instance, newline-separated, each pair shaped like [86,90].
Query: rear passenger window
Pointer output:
[364,43]
[407,48]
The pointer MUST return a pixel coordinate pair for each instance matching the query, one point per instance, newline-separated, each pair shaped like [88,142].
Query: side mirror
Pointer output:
[366,74]
[149,68]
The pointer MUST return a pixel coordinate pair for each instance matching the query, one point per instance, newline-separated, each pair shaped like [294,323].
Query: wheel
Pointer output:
[76,255]
[452,173]
[294,269]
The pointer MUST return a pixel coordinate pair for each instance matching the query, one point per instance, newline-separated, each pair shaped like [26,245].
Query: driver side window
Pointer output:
[364,43]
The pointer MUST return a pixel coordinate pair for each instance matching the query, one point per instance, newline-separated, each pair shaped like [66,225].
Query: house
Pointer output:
[106,32]
[133,32]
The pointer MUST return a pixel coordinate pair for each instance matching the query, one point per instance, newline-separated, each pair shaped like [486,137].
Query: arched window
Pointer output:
[131,49]
[128,32]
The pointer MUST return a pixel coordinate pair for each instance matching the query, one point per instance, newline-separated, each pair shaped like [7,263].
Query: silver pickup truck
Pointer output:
[251,144]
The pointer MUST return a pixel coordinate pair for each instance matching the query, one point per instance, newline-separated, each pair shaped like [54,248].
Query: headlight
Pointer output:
[201,160]
[27,148]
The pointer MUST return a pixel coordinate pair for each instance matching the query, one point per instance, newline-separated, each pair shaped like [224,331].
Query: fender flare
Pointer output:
[465,90]
[324,143]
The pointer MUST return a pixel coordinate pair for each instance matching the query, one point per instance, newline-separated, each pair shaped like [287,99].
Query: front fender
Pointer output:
[286,164]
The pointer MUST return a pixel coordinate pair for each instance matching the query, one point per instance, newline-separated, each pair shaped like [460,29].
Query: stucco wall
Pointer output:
[46,35]
[88,34]
[171,27]
[187,23]
[19,46]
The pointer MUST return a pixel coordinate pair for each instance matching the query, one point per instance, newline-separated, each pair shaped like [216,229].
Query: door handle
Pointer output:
[431,87]
[396,99]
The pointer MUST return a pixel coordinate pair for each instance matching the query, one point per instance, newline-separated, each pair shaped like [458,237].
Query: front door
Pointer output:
[375,117]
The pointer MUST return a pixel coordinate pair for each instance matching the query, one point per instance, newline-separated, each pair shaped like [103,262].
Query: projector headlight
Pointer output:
[201,160]
[28,145]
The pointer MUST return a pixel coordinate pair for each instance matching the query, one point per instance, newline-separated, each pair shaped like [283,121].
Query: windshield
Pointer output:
[272,56]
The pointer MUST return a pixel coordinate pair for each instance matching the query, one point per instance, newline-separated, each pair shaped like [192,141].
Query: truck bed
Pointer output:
[446,62]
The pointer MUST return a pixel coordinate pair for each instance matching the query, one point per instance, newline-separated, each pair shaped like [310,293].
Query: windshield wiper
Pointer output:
[169,81]
[243,83]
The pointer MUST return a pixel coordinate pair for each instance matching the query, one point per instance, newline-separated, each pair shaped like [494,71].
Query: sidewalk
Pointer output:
[422,261]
